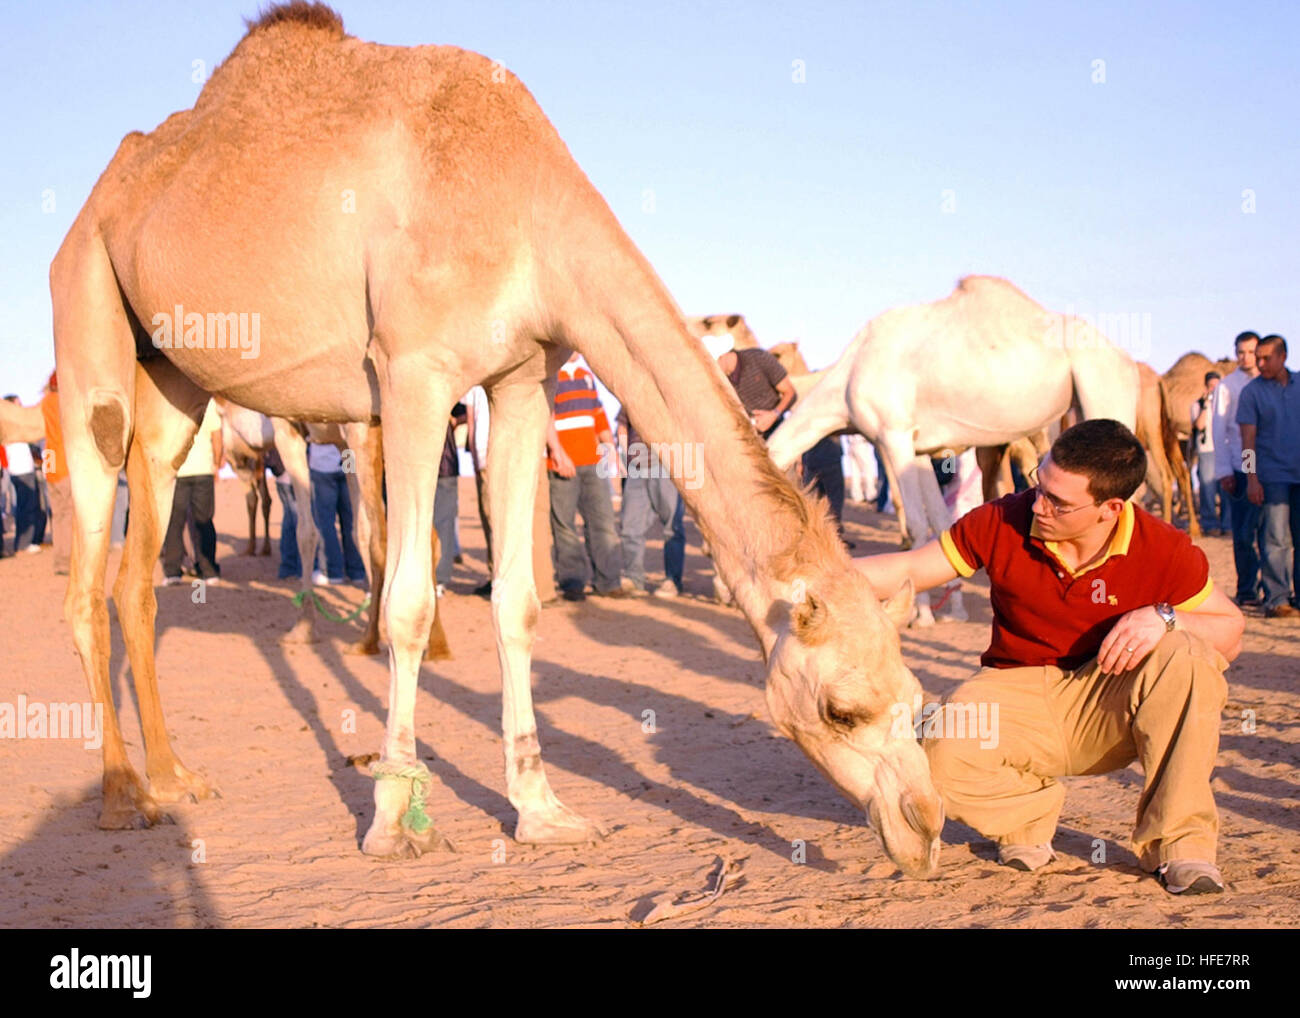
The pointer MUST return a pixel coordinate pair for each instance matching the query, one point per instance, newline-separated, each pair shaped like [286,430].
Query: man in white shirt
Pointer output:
[28,515]
[196,494]
[1202,413]
[1245,517]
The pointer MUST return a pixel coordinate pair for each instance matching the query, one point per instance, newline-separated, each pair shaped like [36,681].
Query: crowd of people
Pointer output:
[1244,447]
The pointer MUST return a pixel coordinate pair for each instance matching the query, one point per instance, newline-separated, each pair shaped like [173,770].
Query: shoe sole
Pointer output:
[1201,885]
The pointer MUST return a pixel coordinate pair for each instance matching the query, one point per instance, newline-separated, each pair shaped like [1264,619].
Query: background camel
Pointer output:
[1166,462]
[245,437]
[982,367]
[447,238]
[1184,383]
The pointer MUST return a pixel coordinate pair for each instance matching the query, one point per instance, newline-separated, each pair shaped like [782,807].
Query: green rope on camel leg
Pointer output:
[414,819]
[299,597]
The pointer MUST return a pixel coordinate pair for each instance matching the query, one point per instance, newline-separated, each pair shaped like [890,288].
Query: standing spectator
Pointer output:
[649,493]
[1244,517]
[477,417]
[764,387]
[290,560]
[446,502]
[1269,416]
[196,492]
[331,508]
[823,468]
[28,517]
[55,467]
[1212,516]
[4,496]
[578,428]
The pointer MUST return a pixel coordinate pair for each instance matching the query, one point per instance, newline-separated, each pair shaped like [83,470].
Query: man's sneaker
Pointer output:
[320,579]
[1025,858]
[1281,611]
[33,549]
[483,590]
[212,581]
[1190,876]
[667,589]
[173,581]
[440,590]
[573,594]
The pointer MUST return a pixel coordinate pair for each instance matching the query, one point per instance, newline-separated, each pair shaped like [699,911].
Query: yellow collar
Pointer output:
[1119,540]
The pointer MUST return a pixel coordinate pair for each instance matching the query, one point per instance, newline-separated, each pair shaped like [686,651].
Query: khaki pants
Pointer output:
[61,510]
[1164,713]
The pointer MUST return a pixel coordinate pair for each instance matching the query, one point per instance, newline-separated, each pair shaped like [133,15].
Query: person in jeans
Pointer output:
[822,467]
[290,561]
[446,501]
[331,508]
[1212,512]
[578,429]
[649,493]
[195,493]
[1269,417]
[1244,517]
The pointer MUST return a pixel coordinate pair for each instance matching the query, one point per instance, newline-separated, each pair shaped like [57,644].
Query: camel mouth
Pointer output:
[910,837]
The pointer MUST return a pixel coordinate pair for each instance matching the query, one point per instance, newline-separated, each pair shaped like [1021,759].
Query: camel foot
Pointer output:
[249,550]
[266,549]
[132,816]
[721,593]
[180,785]
[558,825]
[300,633]
[382,842]
[369,648]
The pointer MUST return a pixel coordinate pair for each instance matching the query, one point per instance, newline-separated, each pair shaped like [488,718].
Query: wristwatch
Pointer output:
[1166,612]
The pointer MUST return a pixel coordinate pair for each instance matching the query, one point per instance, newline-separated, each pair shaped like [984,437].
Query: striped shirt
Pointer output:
[579,417]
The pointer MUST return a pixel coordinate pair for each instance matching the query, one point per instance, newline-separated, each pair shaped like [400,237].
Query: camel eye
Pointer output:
[845,719]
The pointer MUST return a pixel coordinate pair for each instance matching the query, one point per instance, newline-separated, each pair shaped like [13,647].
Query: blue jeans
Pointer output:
[1247,538]
[290,562]
[27,507]
[330,500]
[1212,518]
[1281,542]
[587,492]
[646,498]
[446,507]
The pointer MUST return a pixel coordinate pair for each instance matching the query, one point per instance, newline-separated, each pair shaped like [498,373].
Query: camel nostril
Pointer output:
[924,818]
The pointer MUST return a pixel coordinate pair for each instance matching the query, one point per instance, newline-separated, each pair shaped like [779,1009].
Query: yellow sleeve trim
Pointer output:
[954,556]
[1196,600]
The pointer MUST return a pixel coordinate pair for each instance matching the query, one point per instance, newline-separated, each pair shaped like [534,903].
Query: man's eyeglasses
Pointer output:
[1053,505]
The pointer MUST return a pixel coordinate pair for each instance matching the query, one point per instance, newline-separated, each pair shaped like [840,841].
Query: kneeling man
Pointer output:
[1109,645]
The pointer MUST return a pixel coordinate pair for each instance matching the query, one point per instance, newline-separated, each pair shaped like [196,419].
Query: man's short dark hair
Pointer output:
[1274,340]
[1211,374]
[1106,453]
[1243,337]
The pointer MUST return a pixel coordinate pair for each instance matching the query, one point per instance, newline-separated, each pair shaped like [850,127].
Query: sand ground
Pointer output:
[269,724]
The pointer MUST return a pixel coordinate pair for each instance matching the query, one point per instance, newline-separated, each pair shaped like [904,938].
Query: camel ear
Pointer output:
[898,607]
[810,619]
[732,320]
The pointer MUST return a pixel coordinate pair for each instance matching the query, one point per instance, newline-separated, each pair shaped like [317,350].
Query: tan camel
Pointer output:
[20,423]
[245,437]
[1166,463]
[446,237]
[1184,383]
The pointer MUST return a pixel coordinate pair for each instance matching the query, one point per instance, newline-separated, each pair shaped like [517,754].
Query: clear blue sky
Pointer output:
[808,206]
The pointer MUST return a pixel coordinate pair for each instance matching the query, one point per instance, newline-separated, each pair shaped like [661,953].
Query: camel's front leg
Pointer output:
[520,411]
[415,408]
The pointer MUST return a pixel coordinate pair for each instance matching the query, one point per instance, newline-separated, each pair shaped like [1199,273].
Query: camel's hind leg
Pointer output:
[95,353]
[264,493]
[520,410]
[168,408]
[366,487]
[293,454]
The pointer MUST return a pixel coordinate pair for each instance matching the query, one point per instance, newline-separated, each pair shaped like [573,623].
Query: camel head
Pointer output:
[838,686]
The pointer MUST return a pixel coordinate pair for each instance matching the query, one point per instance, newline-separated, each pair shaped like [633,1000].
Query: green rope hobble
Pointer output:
[414,819]
[298,599]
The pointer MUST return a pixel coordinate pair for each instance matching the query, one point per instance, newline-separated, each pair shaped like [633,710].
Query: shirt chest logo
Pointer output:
[1100,595]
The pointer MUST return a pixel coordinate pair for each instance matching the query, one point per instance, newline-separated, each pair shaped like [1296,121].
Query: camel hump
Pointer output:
[299,12]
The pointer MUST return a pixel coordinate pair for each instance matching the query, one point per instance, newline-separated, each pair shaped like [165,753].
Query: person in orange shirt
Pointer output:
[54,466]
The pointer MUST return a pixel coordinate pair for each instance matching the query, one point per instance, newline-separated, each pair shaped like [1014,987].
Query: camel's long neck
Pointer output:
[636,341]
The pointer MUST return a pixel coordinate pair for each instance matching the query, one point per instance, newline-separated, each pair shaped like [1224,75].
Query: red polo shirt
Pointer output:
[1045,614]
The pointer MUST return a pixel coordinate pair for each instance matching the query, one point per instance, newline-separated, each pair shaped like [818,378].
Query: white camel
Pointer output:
[982,367]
